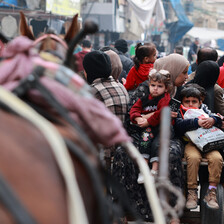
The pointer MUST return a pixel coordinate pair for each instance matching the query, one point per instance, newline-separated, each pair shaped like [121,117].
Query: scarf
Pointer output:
[116,64]
[143,71]
[175,64]
[207,74]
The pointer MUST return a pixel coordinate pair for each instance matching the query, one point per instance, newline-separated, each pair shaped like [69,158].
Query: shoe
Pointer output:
[140,179]
[211,200]
[192,199]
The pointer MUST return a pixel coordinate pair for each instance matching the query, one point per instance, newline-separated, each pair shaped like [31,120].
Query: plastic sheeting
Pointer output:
[9,3]
[179,28]
[144,11]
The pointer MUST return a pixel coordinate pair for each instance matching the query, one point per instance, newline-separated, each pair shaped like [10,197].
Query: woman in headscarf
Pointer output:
[116,66]
[125,170]
[206,76]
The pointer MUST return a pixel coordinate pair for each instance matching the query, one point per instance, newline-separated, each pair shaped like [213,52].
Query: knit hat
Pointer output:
[97,64]
[121,45]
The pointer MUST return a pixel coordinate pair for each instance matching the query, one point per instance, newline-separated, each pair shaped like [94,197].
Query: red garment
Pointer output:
[154,120]
[135,77]
[220,80]
[79,59]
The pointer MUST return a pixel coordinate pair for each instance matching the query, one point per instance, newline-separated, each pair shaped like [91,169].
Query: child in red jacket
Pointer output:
[145,113]
[145,56]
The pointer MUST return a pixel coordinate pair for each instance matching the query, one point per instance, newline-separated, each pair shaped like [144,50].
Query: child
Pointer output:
[145,56]
[146,114]
[191,97]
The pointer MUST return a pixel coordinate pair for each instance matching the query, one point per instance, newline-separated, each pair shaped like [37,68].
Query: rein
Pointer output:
[77,213]
[13,204]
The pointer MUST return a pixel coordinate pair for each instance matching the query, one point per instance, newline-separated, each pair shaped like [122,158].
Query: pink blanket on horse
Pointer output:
[100,124]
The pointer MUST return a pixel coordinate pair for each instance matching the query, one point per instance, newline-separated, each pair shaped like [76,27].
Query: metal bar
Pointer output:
[164,149]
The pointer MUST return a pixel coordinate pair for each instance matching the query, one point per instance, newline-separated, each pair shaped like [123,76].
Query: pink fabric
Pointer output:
[100,124]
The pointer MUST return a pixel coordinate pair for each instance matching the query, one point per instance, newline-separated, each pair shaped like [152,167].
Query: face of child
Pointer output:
[151,58]
[157,88]
[180,80]
[191,102]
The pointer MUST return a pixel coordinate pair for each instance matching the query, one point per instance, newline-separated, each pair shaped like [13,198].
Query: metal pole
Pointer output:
[164,149]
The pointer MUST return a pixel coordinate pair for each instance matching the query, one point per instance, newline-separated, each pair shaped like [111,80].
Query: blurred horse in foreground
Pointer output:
[43,188]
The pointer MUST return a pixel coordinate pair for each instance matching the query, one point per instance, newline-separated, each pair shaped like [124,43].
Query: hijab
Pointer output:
[175,64]
[116,64]
[206,76]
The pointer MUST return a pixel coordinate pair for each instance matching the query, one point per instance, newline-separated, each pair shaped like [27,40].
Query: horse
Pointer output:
[81,146]
[29,167]
[80,152]
[84,159]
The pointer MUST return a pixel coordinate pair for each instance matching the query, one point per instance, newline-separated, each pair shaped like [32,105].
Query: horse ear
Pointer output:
[73,29]
[24,28]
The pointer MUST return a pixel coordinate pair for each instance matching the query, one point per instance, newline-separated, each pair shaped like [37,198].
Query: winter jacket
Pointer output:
[135,77]
[181,125]
[145,106]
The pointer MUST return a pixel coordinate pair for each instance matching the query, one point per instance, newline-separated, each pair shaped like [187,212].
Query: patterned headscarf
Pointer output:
[174,63]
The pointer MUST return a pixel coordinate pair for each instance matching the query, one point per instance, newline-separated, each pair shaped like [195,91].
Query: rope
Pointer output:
[77,213]
[149,182]
[168,210]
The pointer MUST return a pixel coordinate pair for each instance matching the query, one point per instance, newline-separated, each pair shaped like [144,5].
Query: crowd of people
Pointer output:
[137,89]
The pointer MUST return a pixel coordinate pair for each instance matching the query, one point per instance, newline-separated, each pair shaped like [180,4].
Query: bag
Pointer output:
[205,139]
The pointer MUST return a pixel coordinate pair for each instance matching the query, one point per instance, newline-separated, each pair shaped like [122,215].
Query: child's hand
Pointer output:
[123,80]
[206,122]
[144,123]
[147,116]
[222,120]
[220,116]
[139,119]
[173,114]
[141,122]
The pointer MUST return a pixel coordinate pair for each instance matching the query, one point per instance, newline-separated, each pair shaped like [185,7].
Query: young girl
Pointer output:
[146,114]
[145,56]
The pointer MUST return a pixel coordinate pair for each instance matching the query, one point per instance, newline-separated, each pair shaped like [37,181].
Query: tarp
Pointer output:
[179,28]
[144,11]
[208,36]
[9,3]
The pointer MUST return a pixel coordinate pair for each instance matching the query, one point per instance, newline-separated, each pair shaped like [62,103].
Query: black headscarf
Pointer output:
[207,74]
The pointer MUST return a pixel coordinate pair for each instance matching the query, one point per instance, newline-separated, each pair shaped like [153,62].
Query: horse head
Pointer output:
[50,42]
